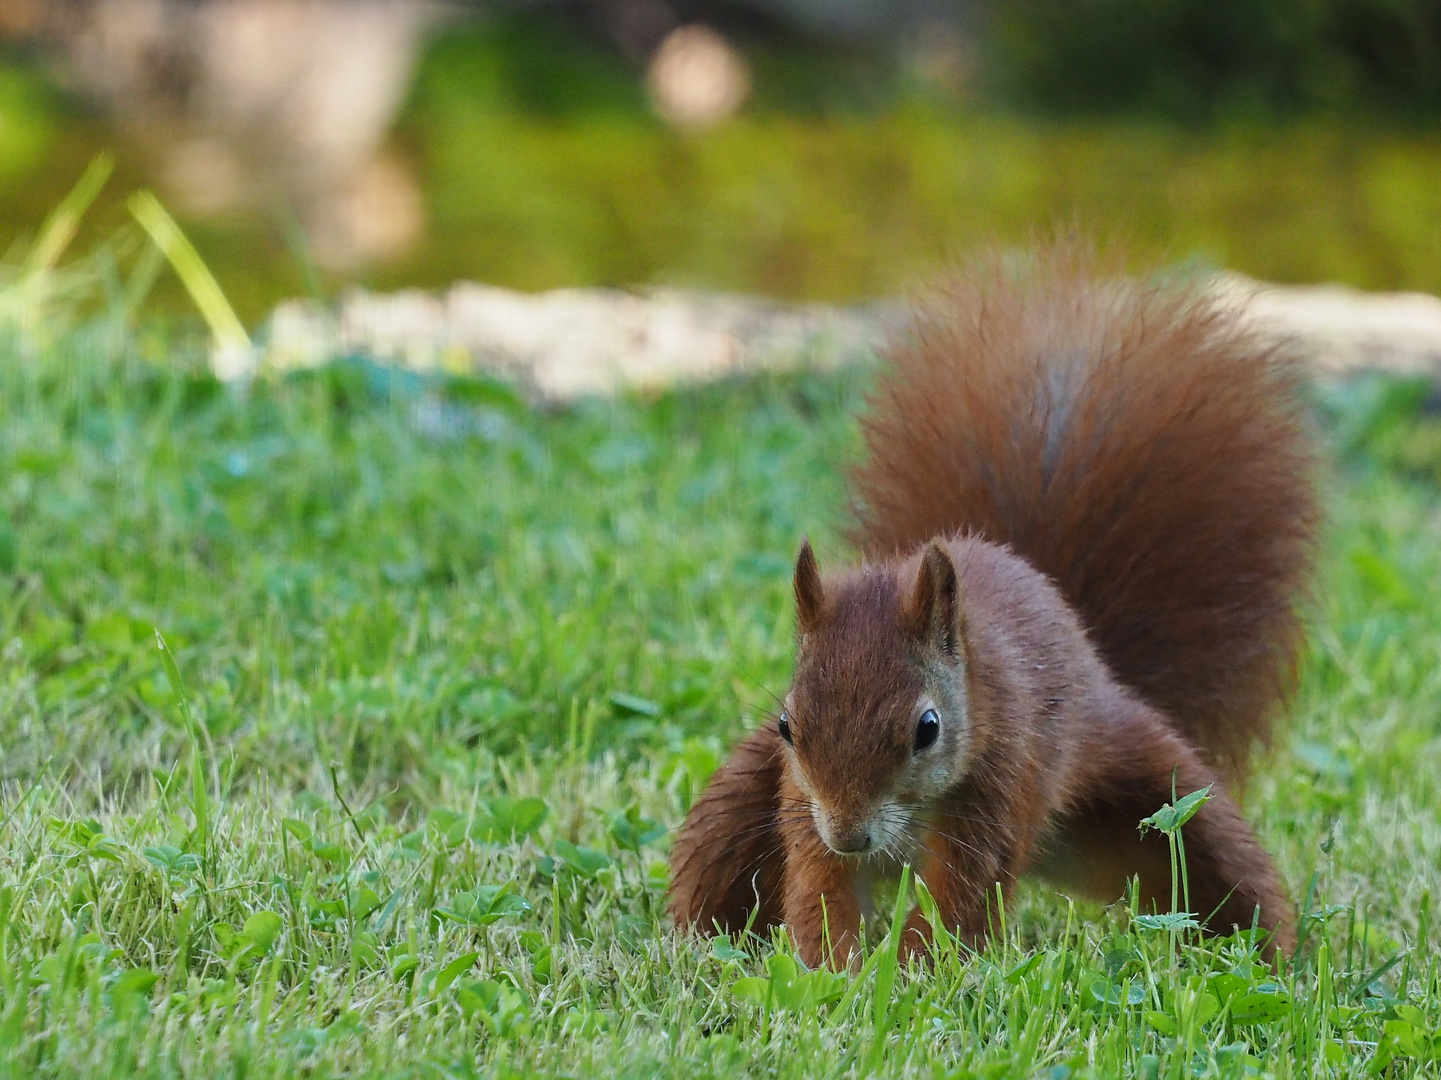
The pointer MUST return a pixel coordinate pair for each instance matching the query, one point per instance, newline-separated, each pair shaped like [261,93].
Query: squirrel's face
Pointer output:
[876,721]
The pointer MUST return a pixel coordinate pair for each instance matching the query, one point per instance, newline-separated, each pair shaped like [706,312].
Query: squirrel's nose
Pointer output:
[844,833]
[853,841]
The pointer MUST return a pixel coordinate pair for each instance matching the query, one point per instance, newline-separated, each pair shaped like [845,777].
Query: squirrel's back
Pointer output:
[1135,441]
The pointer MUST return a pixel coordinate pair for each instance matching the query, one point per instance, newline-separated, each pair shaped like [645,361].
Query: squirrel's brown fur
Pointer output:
[1087,518]
[1139,445]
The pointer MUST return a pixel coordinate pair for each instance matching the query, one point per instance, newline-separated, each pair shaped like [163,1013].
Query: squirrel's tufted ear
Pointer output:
[933,611]
[810,595]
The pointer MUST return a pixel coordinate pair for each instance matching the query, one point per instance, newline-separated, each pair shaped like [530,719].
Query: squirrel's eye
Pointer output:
[928,730]
[784,727]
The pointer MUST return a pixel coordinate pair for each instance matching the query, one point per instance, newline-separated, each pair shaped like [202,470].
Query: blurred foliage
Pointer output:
[1387,423]
[538,67]
[1198,59]
[838,208]
[26,127]
[830,186]
[542,166]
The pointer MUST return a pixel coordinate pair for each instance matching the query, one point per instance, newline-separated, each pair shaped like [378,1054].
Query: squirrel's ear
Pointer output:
[810,596]
[933,610]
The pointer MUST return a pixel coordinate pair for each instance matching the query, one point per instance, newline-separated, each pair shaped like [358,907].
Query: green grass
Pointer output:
[452,667]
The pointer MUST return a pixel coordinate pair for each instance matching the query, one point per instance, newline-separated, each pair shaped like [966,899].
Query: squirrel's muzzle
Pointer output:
[853,837]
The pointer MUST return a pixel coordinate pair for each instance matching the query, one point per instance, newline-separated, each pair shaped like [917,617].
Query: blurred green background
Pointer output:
[1294,140]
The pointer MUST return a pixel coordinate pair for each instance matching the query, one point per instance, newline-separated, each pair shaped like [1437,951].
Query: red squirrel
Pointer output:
[1086,521]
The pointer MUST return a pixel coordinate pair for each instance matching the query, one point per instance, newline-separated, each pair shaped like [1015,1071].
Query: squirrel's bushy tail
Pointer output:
[1136,442]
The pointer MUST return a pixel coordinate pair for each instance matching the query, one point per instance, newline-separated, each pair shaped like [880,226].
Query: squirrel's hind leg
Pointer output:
[729,857]
[1132,771]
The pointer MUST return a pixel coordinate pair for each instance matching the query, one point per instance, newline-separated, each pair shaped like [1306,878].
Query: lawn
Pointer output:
[441,671]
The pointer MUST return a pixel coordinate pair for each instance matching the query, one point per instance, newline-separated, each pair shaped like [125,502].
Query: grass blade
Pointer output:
[231,340]
[199,791]
[886,969]
[64,221]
